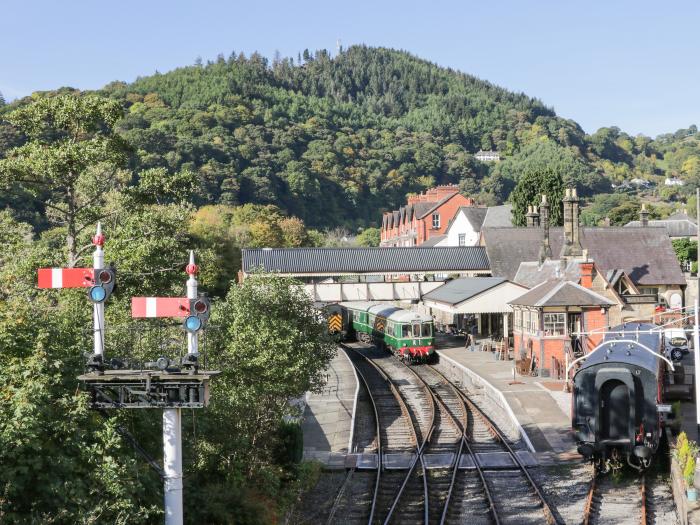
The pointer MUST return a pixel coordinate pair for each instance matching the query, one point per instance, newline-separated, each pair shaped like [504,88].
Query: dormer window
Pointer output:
[436,221]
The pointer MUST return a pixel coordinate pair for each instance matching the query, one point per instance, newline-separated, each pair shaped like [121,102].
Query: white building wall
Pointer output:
[460,225]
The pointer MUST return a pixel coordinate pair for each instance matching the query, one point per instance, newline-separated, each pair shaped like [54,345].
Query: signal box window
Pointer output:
[436,221]
[554,324]
[462,239]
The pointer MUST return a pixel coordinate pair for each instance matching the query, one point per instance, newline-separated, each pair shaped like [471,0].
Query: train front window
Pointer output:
[416,330]
[427,329]
[406,330]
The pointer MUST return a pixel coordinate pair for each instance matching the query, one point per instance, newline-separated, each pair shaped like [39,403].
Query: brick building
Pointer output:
[425,215]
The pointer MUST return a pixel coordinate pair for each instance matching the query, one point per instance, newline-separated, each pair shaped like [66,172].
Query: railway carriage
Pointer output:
[405,333]
[616,393]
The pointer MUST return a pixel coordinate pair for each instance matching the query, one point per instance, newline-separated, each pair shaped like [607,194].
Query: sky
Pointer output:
[631,64]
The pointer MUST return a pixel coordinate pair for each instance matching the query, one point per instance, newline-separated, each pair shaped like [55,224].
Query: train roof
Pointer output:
[395,313]
[624,344]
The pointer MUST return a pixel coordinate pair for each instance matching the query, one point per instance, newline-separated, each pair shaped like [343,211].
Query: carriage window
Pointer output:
[427,331]
[406,330]
[554,324]
[390,329]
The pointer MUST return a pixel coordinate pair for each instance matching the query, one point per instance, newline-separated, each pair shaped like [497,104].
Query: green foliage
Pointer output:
[69,162]
[532,184]
[689,472]
[369,237]
[686,250]
[271,347]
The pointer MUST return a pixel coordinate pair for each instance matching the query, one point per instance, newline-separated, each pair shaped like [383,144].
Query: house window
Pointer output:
[462,239]
[554,324]
[436,221]
[650,291]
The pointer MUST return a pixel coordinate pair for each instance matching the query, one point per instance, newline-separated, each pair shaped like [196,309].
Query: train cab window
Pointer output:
[416,330]
[406,330]
[427,332]
[554,324]
[390,329]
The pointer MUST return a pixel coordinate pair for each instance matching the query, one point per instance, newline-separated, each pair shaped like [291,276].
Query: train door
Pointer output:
[614,411]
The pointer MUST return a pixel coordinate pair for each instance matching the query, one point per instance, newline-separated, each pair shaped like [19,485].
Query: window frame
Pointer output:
[461,239]
[436,220]
[557,327]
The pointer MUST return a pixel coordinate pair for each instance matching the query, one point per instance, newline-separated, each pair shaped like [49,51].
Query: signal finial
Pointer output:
[98,239]
[191,268]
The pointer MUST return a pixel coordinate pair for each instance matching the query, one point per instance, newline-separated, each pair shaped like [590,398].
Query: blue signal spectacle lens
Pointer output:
[193,323]
[97,294]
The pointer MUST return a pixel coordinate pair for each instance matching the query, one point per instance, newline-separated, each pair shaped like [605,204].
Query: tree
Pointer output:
[532,184]
[686,250]
[369,237]
[70,161]
[272,346]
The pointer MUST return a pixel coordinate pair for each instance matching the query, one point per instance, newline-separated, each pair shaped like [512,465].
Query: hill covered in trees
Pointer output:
[337,140]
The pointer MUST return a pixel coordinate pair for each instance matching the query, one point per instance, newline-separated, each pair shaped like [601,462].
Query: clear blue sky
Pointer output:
[633,64]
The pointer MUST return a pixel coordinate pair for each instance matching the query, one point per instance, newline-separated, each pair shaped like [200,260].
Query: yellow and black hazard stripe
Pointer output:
[335,323]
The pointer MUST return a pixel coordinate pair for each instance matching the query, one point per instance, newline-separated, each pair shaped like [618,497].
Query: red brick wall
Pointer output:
[594,319]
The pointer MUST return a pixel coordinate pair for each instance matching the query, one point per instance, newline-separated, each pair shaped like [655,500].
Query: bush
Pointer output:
[689,472]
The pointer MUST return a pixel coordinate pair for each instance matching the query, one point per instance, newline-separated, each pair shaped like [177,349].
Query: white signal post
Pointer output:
[98,263]
[172,425]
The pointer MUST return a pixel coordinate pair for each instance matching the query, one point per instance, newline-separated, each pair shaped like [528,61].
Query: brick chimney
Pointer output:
[545,249]
[532,219]
[586,269]
[644,216]
[572,241]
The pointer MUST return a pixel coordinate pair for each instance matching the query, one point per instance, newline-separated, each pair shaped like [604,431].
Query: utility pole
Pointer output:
[696,327]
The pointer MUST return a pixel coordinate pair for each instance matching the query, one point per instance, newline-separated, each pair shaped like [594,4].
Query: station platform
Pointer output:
[328,416]
[540,405]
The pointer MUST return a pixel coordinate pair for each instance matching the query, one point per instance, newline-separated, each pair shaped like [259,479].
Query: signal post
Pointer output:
[167,383]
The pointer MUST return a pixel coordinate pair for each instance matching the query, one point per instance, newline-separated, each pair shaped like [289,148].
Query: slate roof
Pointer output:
[498,217]
[334,261]
[558,292]
[677,225]
[645,254]
[433,241]
[459,290]
[531,274]
[475,215]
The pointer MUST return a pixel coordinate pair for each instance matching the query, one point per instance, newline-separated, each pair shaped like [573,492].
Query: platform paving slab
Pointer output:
[328,415]
[539,409]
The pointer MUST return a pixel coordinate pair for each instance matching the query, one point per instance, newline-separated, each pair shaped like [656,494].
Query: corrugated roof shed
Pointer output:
[336,261]
[460,290]
[645,254]
[561,293]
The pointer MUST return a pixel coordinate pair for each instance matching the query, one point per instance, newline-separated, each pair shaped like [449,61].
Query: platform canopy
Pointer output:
[474,295]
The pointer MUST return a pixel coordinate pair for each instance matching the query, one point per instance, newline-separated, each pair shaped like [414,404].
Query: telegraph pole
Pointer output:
[696,327]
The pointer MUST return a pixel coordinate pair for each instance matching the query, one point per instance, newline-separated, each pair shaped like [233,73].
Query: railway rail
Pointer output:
[447,427]
[616,503]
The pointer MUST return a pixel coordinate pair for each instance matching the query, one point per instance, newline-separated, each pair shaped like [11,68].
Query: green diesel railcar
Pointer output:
[405,333]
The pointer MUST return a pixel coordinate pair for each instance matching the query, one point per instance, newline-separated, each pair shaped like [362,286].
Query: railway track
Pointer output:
[446,426]
[619,503]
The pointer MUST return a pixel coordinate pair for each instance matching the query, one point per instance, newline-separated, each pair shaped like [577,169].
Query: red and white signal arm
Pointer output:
[160,307]
[66,277]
